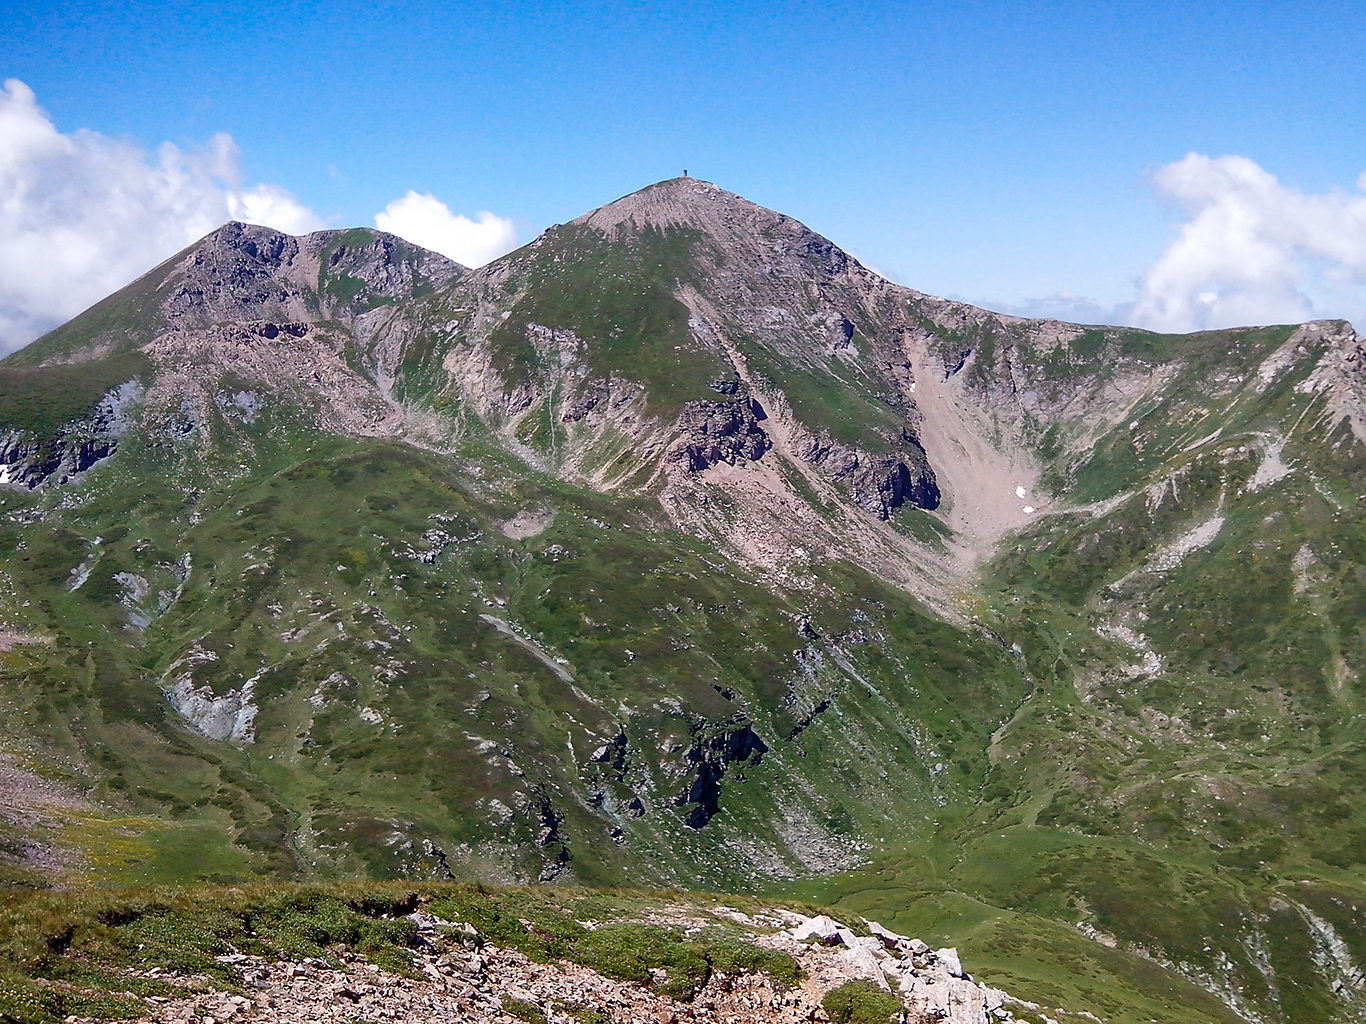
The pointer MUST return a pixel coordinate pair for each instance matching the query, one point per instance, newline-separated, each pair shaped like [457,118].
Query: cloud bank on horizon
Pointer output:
[83,214]
[1253,251]
[1250,251]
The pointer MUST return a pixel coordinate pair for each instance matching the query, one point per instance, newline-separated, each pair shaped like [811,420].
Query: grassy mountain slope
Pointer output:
[678,548]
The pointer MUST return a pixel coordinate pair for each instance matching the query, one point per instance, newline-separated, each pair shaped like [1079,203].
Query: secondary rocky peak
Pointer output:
[247,271]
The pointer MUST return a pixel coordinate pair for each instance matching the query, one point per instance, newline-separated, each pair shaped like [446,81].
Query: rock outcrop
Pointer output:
[710,757]
[931,983]
[714,432]
[587,490]
[32,461]
[463,980]
[248,272]
[879,484]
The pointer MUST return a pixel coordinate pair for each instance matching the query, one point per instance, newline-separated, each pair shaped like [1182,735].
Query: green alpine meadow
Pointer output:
[678,551]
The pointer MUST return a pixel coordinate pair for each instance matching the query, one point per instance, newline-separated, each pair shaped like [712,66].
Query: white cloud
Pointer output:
[1253,251]
[275,208]
[82,214]
[426,221]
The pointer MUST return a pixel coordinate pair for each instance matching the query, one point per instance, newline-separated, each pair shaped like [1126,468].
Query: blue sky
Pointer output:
[994,151]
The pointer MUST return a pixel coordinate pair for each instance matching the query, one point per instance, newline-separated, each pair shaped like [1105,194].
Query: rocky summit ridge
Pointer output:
[729,220]
[678,548]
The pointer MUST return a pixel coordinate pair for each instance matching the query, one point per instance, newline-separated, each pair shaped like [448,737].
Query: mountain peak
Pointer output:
[738,226]
[690,202]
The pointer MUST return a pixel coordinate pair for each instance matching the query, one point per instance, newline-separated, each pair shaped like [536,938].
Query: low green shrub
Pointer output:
[629,952]
[733,957]
[584,1014]
[26,1001]
[522,1010]
[860,1002]
[535,925]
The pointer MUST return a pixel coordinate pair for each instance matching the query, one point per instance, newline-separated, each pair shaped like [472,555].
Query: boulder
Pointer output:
[820,928]
[949,958]
[886,936]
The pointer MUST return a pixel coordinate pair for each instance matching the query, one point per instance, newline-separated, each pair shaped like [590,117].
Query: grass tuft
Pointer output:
[860,1002]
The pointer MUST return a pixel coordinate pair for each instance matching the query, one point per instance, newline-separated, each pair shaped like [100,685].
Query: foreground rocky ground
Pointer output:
[463,980]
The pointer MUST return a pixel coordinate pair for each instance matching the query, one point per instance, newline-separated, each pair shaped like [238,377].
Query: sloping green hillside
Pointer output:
[678,549]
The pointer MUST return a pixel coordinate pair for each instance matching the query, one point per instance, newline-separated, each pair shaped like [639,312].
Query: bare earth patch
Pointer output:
[527,524]
[30,806]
